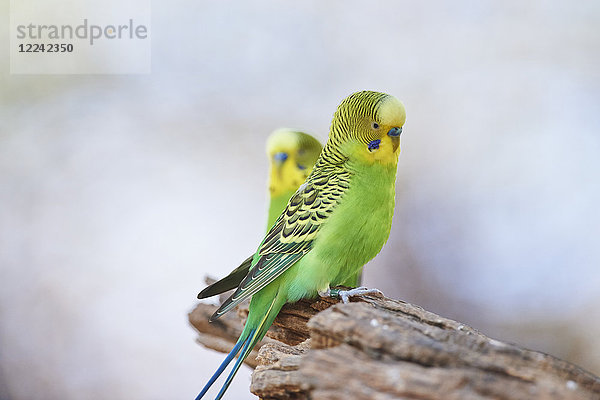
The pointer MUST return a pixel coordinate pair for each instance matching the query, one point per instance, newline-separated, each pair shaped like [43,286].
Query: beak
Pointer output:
[394,134]
[280,158]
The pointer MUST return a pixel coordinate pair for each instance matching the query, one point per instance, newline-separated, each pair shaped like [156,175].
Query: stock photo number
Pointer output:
[46,48]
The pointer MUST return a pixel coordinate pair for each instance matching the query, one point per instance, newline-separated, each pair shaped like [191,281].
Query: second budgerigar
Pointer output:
[292,155]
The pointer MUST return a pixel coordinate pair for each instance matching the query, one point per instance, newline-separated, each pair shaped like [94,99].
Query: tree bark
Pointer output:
[380,348]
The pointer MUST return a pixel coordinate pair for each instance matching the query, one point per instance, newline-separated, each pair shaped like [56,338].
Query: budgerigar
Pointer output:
[338,220]
[292,155]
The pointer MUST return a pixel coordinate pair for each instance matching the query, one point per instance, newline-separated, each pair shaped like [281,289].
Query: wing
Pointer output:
[230,282]
[292,235]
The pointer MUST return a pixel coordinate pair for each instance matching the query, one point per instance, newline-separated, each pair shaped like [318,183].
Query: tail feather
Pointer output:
[248,339]
[221,368]
[250,343]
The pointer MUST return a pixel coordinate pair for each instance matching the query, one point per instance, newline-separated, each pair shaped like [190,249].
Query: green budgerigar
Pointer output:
[292,155]
[337,221]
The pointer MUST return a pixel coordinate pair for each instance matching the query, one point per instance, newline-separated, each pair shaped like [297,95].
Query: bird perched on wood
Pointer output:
[337,221]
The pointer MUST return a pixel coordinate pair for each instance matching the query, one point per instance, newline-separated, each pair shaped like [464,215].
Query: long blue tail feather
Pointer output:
[222,367]
[250,342]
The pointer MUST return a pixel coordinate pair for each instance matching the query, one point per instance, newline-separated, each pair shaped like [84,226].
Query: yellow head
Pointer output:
[366,128]
[292,155]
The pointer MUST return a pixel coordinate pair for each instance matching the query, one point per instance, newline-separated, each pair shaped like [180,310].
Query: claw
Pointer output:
[345,295]
[359,291]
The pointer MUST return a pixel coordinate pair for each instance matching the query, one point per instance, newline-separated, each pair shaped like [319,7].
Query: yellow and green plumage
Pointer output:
[338,220]
[292,155]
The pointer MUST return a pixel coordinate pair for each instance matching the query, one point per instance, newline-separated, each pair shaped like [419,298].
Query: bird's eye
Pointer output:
[375,125]
[280,157]
[300,166]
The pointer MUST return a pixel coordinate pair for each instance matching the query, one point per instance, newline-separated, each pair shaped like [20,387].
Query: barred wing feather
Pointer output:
[292,235]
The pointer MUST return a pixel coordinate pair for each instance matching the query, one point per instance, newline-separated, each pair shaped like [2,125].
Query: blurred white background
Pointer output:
[118,194]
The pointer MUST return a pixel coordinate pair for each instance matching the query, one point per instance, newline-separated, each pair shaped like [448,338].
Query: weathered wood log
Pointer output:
[380,348]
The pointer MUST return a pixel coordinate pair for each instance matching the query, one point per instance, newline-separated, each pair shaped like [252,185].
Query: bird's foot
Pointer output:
[345,295]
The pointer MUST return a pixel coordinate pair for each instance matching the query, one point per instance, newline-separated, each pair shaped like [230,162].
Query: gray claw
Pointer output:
[345,295]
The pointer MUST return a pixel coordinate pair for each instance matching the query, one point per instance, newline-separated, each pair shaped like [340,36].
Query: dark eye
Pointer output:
[300,166]
[375,125]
